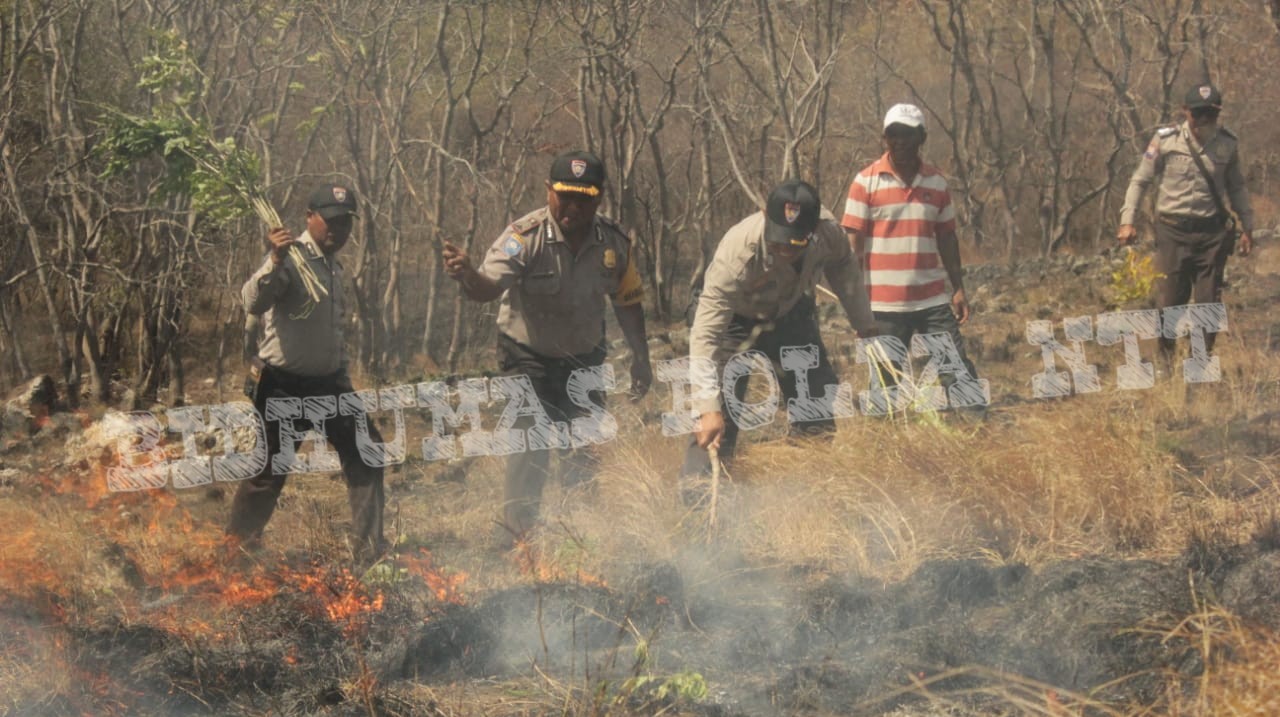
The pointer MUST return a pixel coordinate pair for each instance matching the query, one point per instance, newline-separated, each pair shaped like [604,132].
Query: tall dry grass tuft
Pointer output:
[42,563]
[1240,673]
[1247,685]
[1098,474]
[632,515]
[882,496]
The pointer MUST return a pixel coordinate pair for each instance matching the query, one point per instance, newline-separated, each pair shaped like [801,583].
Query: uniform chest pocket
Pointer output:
[543,278]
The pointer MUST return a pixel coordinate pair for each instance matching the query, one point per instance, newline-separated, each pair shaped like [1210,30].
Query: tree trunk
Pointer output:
[18,357]
[99,380]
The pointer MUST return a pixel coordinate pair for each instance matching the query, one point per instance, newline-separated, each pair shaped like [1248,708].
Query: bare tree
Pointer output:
[623,98]
[25,27]
[494,139]
[442,114]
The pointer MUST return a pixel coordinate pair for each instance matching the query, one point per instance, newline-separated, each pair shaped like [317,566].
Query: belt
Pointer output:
[296,381]
[1188,223]
[517,350]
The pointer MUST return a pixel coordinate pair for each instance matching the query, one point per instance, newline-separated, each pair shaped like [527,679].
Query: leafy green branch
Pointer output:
[222,180]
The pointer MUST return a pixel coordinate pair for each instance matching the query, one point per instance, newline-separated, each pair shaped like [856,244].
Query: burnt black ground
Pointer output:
[1091,626]
[838,644]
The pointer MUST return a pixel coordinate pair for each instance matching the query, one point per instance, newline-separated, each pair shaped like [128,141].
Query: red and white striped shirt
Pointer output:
[901,224]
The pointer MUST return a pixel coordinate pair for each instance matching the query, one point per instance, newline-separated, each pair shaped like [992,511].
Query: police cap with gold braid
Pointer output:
[581,172]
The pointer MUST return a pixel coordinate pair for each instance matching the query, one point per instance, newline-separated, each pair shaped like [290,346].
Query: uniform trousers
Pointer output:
[527,470]
[798,327]
[256,498]
[1193,262]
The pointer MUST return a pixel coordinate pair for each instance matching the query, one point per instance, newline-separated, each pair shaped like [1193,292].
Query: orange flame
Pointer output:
[341,597]
[446,588]
[531,563]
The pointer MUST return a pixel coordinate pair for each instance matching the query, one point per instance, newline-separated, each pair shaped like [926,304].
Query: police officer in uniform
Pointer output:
[1194,232]
[758,294]
[300,354]
[552,269]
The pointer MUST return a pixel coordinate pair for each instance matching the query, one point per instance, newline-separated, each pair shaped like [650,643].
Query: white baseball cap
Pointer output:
[909,115]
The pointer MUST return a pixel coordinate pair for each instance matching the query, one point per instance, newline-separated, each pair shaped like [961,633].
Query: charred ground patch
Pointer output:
[846,644]
[768,641]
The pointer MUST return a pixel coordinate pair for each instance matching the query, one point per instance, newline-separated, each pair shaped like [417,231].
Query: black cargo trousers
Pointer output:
[256,498]
[527,470]
[797,327]
[1191,253]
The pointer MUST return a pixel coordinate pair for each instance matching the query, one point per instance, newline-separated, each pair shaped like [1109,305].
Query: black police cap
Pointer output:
[577,172]
[332,200]
[792,211]
[1205,95]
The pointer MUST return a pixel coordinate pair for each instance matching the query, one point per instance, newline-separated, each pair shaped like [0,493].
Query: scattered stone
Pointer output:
[61,425]
[38,397]
[14,424]
[28,407]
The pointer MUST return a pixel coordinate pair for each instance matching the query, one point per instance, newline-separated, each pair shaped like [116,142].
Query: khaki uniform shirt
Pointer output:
[297,336]
[744,279]
[1182,190]
[554,299]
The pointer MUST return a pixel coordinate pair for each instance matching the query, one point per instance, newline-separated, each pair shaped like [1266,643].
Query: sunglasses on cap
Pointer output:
[1205,111]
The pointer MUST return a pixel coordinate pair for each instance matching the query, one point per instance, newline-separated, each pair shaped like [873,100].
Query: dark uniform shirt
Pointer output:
[298,336]
[1183,191]
[554,299]
[744,279]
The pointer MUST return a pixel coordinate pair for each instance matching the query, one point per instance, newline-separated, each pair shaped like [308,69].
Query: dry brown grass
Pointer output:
[1240,677]
[1090,475]
[1134,474]
[1240,672]
[1243,676]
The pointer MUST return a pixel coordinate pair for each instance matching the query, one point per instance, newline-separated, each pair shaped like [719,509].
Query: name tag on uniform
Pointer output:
[610,259]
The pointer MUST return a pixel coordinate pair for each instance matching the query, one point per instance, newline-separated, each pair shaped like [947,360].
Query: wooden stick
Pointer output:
[713,452]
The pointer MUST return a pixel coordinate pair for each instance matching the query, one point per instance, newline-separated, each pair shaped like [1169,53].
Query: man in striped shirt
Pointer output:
[901,223]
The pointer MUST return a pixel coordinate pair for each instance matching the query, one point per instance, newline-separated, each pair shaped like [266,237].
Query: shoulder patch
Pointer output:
[512,246]
[1166,131]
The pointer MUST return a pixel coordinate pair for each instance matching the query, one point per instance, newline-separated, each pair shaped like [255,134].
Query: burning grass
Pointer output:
[907,562]
[138,604]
